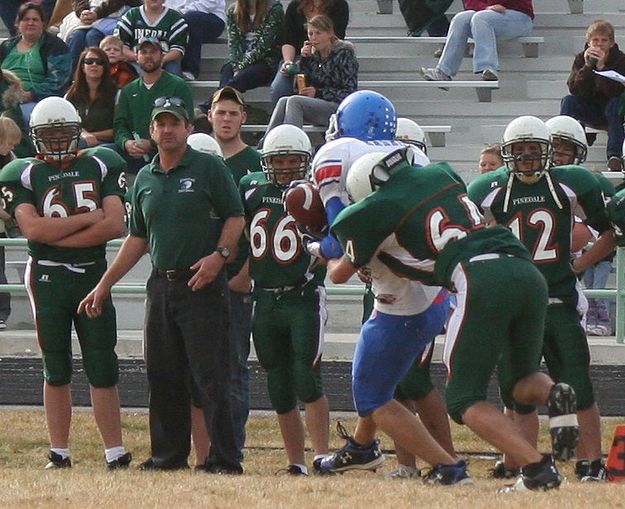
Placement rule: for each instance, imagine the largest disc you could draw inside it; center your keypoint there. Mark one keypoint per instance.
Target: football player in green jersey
(445, 242)
(289, 312)
(68, 206)
(539, 204)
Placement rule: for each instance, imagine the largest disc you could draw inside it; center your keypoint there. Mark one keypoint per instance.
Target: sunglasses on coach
(91, 61)
(165, 102)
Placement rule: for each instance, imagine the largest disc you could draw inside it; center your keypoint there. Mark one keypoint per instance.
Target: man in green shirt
(186, 211)
(136, 100)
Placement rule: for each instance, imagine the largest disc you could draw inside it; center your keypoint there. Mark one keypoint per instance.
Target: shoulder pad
(106, 155)
(12, 172)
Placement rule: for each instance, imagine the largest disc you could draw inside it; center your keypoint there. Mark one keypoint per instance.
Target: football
(305, 206)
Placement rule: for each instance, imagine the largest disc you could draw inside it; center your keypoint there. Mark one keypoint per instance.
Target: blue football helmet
(366, 116)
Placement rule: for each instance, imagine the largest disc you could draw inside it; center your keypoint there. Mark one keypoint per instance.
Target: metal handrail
(617, 295)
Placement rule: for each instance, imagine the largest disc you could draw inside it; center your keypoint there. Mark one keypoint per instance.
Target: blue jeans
(598, 115)
(485, 27)
(203, 28)
(282, 86)
(83, 38)
(240, 331)
(254, 75)
(596, 277)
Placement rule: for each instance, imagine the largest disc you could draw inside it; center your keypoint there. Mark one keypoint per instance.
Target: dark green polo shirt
(181, 212)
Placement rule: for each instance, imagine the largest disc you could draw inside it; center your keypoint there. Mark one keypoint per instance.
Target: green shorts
(288, 330)
(55, 292)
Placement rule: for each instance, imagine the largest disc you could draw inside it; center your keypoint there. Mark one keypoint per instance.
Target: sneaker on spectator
(489, 75)
(563, 426)
(403, 472)
(615, 164)
(353, 456)
(122, 462)
(446, 475)
(57, 461)
(434, 74)
(3, 325)
(189, 76)
(500, 471)
(602, 330)
(536, 476)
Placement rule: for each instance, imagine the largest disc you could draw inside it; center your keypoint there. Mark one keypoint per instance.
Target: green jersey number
(282, 241)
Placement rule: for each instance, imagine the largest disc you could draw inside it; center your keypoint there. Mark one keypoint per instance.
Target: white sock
(114, 452)
(63, 453)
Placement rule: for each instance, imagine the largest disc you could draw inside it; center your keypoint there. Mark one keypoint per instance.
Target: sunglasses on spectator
(91, 61)
(165, 102)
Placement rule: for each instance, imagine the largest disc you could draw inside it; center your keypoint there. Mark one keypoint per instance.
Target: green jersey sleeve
(11, 187)
(223, 190)
(616, 214)
(113, 170)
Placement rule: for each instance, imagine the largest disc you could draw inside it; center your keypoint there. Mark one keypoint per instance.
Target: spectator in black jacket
(594, 99)
(298, 13)
(329, 73)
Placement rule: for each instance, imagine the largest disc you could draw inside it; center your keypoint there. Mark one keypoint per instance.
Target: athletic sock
(114, 452)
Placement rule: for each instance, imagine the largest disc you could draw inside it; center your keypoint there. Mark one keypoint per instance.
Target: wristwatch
(223, 251)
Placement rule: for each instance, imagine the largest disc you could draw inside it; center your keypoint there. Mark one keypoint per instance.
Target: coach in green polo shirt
(187, 213)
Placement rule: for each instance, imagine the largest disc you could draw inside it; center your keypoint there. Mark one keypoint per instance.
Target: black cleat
(122, 462)
(57, 461)
(353, 456)
(563, 426)
(541, 476)
(447, 475)
(500, 471)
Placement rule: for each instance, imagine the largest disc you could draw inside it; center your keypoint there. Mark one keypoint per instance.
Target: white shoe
(403, 472)
(189, 76)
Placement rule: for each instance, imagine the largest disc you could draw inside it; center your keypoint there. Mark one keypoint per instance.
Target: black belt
(174, 274)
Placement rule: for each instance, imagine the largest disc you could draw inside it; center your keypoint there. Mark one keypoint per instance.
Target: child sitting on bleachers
(121, 71)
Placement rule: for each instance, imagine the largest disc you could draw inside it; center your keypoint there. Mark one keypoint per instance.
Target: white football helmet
(202, 142)
(366, 175)
(55, 128)
(281, 141)
(411, 133)
(527, 129)
(568, 130)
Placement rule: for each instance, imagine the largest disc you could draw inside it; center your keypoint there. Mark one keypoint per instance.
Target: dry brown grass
(24, 484)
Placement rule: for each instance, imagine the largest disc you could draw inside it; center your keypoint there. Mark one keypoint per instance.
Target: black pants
(427, 15)
(186, 337)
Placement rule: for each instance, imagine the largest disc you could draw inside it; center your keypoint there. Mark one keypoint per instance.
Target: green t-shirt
(181, 212)
(276, 254)
(27, 65)
(240, 164)
(430, 214)
(542, 215)
(170, 28)
(56, 192)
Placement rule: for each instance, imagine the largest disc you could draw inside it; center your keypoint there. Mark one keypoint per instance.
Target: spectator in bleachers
(206, 20)
(425, 16)
(136, 101)
(153, 19)
(41, 60)
(486, 21)
(98, 18)
(254, 44)
(329, 73)
(490, 158)
(594, 99)
(298, 13)
(122, 72)
(9, 9)
(93, 94)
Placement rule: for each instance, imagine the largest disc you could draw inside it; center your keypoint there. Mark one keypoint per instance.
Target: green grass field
(25, 484)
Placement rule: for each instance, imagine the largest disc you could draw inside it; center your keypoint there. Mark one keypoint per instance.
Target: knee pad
(101, 368)
(280, 388)
(57, 367)
(308, 384)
